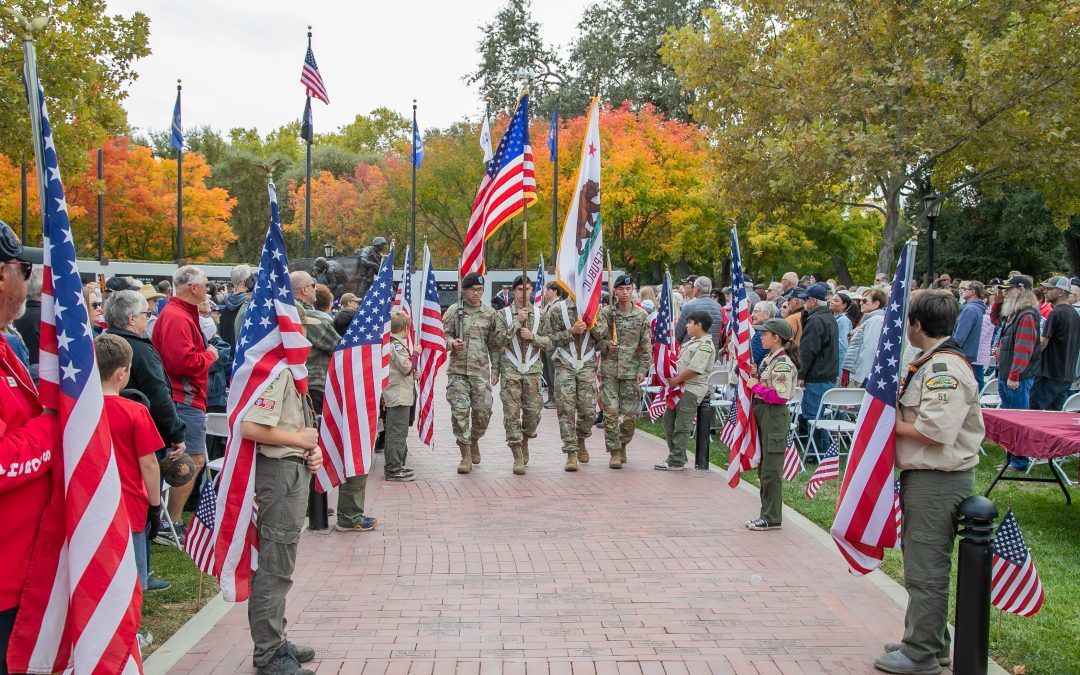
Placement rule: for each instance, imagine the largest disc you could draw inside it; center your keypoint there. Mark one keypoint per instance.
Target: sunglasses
(95, 305)
(25, 267)
(148, 313)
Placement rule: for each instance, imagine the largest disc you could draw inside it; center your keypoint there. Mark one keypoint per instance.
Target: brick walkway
(602, 571)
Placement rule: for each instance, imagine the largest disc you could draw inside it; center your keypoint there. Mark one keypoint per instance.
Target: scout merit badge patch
(782, 368)
(939, 382)
(265, 403)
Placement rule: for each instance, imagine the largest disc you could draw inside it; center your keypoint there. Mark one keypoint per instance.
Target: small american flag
(793, 465)
(828, 469)
(199, 543)
(865, 524)
(355, 381)
(727, 433)
(665, 355)
(89, 617)
(508, 184)
(403, 296)
(898, 514)
(745, 450)
(270, 340)
(312, 79)
(541, 281)
(1015, 586)
(432, 350)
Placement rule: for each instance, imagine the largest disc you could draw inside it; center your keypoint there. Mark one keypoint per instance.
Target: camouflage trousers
(575, 401)
(621, 400)
(522, 404)
(470, 406)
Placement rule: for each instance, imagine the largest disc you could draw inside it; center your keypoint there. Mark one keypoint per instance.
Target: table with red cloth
(1034, 434)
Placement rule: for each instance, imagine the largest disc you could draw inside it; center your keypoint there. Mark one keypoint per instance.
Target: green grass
(1048, 642)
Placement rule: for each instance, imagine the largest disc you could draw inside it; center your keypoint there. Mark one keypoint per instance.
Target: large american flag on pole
(355, 381)
(745, 450)
(865, 523)
(92, 611)
(311, 78)
(403, 296)
(432, 350)
(270, 340)
(665, 354)
(508, 184)
(1014, 585)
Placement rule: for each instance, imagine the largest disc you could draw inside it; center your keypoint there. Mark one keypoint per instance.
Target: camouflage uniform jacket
(634, 355)
(324, 340)
(481, 352)
(515, 360)
(567, 347)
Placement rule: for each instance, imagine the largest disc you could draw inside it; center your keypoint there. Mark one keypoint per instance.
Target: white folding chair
(988, 397)
(794, 405)
(171, 535)
(1072, 404)
(840, 400)
(217, 424)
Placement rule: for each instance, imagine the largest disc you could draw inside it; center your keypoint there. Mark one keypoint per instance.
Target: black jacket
(342, 320)
(148, 376)
(226, 326)
(29, 327)
(819, 348)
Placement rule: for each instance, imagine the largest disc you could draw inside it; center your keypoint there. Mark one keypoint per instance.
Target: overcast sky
(240, 60)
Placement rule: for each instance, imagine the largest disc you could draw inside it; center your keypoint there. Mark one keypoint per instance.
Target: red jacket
(180, 343)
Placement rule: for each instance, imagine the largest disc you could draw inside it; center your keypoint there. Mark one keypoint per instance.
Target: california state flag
(580, 266)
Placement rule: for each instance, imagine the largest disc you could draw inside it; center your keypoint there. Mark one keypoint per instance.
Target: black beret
(521, 278)
(624, 280)
(472, 279)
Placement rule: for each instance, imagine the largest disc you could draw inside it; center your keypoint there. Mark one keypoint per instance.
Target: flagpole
(24, 209)
(412, 207)
(307, 169)
(179, 192)
(30, 76)
(100, 205)
(555, 186)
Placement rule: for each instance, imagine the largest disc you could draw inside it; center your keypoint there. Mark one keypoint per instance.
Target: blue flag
(418, 145)
(553, 131)
(177, 130)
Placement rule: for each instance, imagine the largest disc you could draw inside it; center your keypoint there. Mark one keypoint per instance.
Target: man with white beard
(1018, 350)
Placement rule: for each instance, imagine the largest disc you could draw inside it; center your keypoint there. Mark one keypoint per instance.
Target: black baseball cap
(12, 249)
(1019, 281)
(120, 284)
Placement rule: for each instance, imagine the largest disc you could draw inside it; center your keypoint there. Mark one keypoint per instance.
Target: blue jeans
(980, 376)
(812, 393)
(1017, 399)
(1047, 394)
(142, 555)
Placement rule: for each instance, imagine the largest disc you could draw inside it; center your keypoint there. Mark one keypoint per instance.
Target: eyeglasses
(25, 267)
(148, 313)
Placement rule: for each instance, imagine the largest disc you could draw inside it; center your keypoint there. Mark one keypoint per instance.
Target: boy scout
(283, 428)
(939, 427)
(516, 331)
(398, 398)
(474, 356)
(624, 363)
(772, 390)
(697, 357)
(575, 376)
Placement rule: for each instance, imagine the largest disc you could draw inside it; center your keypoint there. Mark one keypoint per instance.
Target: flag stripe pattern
(828, 469)
(665, 355)
(403, 295)
(538, 287)
(311, 78)
(898, 514)
(269, 341)
(508, 183)
(1015, 585)
(865, 522)
(355, 380)
(95, 597)
(432, 350)
(199, 543)
(745, 450)
(793, 465)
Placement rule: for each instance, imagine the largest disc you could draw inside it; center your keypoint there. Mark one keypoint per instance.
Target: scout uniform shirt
(399, 389)
(778, 373)
(280, 405)
(698, 355)
(519, 357)
(634, 334)
(942, 400)
(481, 352)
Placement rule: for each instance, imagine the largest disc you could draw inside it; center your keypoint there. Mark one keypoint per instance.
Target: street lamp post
(931, 209)
(328, 250)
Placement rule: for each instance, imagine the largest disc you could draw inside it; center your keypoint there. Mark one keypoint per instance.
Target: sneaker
(760, 524)
(283, 663)
(165, 535)
(943, 660)
(898, 662)
(366, 523)
(155, 584)
(145, 639)
(301, 653)
(664, 466)
(549, 405)
(400, 477)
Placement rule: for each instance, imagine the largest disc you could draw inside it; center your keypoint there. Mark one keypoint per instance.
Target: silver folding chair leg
(168, 519)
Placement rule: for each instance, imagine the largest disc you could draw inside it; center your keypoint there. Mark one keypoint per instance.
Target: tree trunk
(890, 234)
(1072, 245)
(840, 268)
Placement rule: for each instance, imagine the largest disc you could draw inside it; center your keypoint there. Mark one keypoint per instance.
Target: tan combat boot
(571, 462)
(519, 463)
(622, 454)
(614, 462)
(525, 451)
(582, 452)
(475, 451)
(466, 459)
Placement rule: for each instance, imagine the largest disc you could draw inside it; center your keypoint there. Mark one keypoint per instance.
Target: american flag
(91, 611)
(745, 451)
(312, 79)
(665, 355)
(270, 340)
(538, 289)
(432, 351)
(793, 465)
(355, 381)
(199, 543)
(508, 183)
(403, 296)
(828, 469)
(865, 524)
(1015, 586)
(898, 514)
(727, 432)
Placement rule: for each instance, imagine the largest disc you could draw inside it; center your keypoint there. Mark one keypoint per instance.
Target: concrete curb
(167, 655)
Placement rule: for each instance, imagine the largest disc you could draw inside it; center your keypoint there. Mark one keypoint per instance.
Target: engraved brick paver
(600, 572)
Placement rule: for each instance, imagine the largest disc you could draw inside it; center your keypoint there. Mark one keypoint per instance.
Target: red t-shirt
(134, 436)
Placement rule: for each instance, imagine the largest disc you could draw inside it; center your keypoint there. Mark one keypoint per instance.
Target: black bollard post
(704, 426)
(316, 508)
(971, 646)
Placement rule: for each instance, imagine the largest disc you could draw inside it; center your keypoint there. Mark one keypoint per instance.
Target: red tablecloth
(1038, 434)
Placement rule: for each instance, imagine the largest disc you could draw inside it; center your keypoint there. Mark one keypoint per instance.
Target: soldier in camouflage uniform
(473, 358)
(623, 366)
(574, 354)
(517, 328)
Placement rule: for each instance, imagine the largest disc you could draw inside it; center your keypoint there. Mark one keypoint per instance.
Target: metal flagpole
(101, 205)
(307, 183)
(33, 90)
(412, 207)
(555, 187)
(179, 194)
(25, 214)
